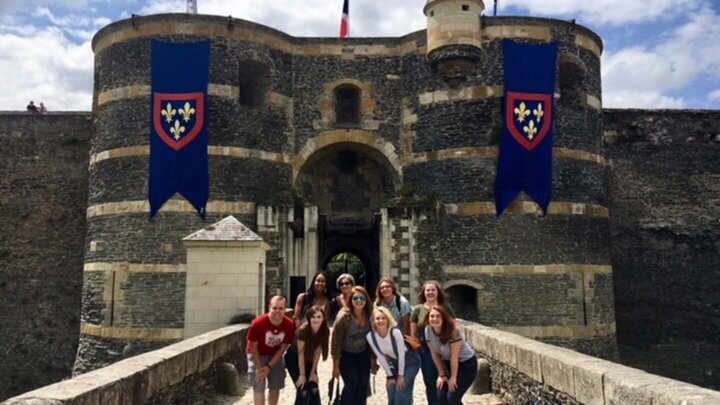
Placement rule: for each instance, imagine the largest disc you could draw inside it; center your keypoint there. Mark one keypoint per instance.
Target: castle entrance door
(348, 182)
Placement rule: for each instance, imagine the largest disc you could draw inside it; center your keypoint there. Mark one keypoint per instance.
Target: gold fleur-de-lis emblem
(538, 112)
(187, 112)
(521, 112)
(177, 130)
(530, 130)
(168, 113)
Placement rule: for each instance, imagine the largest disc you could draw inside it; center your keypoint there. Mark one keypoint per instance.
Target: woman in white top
(401, 365)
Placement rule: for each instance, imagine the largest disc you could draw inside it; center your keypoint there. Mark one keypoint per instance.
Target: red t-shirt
(269, 336)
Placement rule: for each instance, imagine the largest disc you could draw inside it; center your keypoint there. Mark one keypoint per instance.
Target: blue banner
(525, 162)
(178, 126)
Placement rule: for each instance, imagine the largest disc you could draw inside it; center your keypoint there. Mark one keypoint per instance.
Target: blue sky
(658, 53)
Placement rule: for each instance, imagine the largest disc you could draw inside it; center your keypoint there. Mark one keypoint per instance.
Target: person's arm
(401, 349)
(455, 346)
(262, 370)
(338, 337)
(437, 360)
(301, 364)
(414, 323)
(313, 370)
(381, 360)
(299, 302)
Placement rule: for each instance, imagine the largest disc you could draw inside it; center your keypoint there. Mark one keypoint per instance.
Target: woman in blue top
(453, 357)
(388, 296)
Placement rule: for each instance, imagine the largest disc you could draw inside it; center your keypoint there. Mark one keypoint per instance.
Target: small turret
(453, 36)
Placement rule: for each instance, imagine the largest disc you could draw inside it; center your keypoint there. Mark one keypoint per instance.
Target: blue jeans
(310, 393)
(429, 373)
(355, 372)
(405, 397)
(467, 371)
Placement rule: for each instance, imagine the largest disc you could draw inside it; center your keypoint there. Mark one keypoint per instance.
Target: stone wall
(43, 195)
(183, 373)
(664, 188)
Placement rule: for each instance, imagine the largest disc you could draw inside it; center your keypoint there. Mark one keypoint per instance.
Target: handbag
(412, 343)
(337, 398)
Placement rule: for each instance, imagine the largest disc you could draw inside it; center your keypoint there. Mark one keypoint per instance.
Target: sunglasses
(359, 298)
(345, 284)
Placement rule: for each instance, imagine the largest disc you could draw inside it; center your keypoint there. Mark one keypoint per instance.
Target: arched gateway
(384, 149)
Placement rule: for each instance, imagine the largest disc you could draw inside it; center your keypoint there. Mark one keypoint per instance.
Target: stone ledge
(528, 208)
(143, 334)
(136, 267)
(143, 207)
(213, 150)
(139, 378)
(587, 379)
(492, 151)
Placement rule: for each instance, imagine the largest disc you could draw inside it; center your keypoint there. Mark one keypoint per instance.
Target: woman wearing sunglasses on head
(351, 354)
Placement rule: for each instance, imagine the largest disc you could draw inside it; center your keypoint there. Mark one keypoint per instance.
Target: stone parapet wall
(180, 373)
(43, 193)
(527, 371)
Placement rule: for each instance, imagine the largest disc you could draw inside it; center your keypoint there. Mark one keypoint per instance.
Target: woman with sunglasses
(345, 282)
(311, 341)
(401, 365)
(454, 358)
(388, 296)
(350, 351)
(316, 295)
(430, 294)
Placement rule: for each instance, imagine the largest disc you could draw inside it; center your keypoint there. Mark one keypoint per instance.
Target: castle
(387, 148)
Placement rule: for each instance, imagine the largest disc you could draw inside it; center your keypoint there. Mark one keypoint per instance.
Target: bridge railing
(523, 371)
(174, 374)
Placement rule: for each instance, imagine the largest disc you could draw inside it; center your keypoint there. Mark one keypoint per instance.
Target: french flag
(345, 23)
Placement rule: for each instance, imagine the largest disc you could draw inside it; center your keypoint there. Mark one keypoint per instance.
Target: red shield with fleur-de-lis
(528, 117)
(178, 118)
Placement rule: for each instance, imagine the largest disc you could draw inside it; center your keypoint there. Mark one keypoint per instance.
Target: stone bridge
(522, 371)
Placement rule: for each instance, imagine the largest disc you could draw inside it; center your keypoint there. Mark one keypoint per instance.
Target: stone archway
(348, 181)
(463, 297)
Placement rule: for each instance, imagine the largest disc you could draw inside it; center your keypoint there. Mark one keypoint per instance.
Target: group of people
(31, 107)
(388, 333)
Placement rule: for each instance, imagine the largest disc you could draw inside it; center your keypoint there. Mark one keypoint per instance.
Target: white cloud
(714, 95)
(52, 69)
(644, 75)
(614, 12)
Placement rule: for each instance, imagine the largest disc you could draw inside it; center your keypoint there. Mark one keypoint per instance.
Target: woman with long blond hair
(454, 358)
(401, 364)
(352, 357)
(302, 359)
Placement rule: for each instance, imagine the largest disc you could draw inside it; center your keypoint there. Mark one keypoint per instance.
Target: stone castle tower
(382, 147)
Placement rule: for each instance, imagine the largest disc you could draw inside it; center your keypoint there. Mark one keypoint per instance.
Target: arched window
(254, 82)
(347, 105)
(572, 80)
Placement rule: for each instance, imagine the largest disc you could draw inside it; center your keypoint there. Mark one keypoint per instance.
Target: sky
(657, 53)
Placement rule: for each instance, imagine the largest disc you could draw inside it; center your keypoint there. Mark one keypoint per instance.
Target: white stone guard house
(225, 275)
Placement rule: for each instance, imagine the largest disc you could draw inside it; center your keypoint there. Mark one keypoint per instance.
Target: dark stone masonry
(395, 150)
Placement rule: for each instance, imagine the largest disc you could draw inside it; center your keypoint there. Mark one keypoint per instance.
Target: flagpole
(495, 9)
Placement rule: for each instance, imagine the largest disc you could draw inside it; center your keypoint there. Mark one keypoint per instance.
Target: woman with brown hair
(350, 351)
(454, 358)
(303, 357)
(388, 296)
(430, 294)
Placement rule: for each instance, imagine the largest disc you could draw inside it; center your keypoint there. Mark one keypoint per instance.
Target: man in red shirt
(268, 338)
